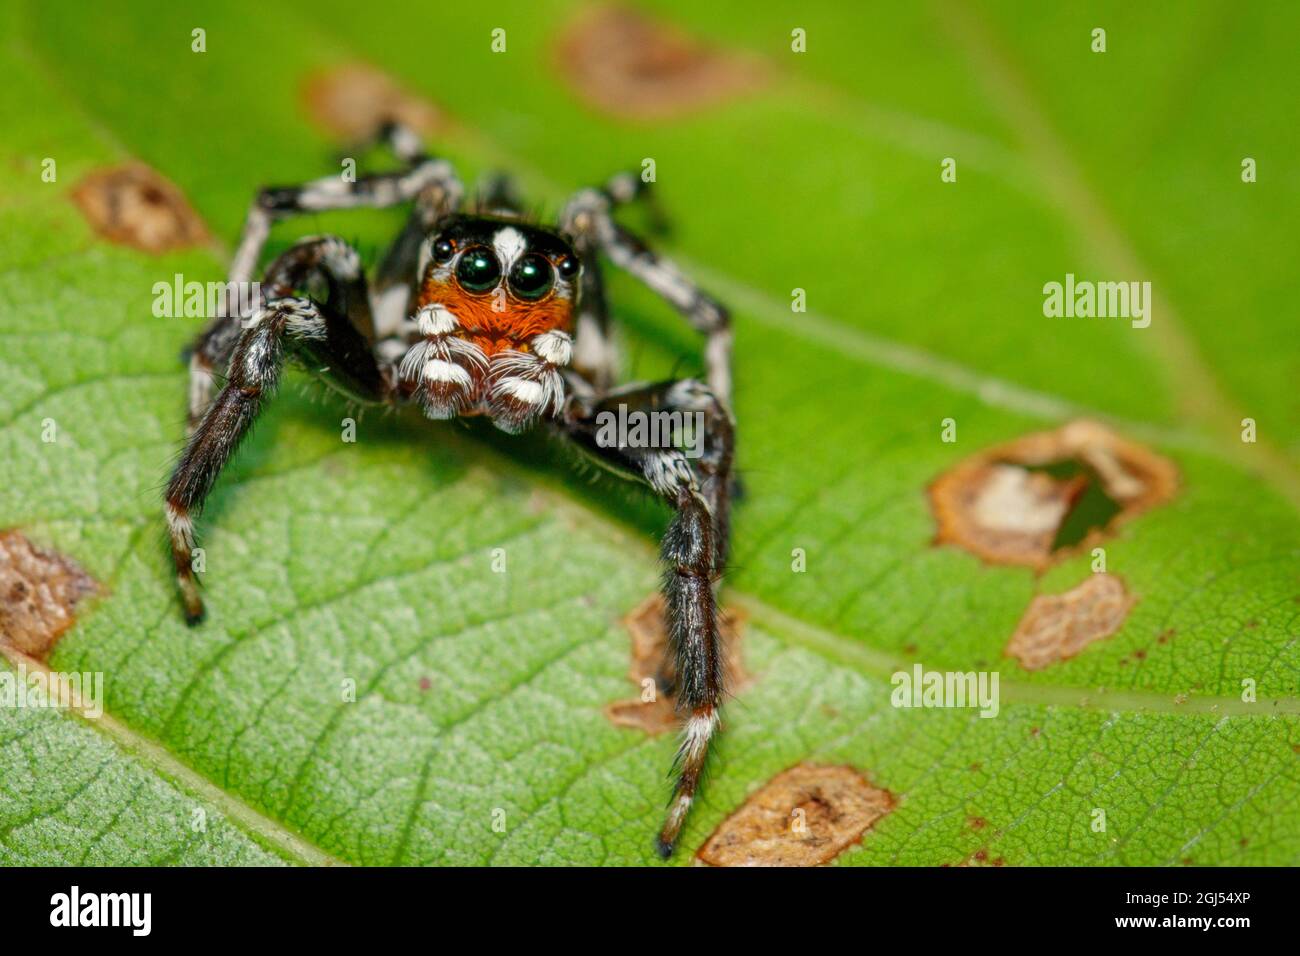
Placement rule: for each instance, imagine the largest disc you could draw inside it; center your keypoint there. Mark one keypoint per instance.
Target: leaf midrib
(166, 765)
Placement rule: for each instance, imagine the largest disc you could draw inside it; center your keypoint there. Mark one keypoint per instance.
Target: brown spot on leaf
(39, 592)
(979, 858)
(1013, 503)
(355, 100)
(1059, 626)
(805, 816)
(136, 206)
(627, 64)
(649, 661)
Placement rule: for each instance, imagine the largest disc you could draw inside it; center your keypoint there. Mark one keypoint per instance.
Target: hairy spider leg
(628, 187)
(318, 334)
(393, 300)
(587, 218)
(596, 354)
(432, 182)
(694, 553)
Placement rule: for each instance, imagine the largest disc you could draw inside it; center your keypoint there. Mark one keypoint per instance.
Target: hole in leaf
(1090, 509)
(1048, 495)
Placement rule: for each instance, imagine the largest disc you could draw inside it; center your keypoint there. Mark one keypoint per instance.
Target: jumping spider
(480, 313)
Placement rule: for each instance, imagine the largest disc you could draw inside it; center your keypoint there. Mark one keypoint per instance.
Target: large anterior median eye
(531, 277)
(478, 269)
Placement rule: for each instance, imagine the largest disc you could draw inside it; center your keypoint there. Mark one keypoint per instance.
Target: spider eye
(478, 269)
(443, 250)
(568, 266)
(532, 276)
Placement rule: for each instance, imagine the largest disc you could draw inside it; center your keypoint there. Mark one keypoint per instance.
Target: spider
(481, 313)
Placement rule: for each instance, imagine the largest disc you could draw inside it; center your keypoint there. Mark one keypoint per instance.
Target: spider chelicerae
(481, 313)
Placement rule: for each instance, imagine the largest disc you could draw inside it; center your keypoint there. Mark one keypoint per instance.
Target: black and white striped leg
(587, 218)
(325, 342)
(393, 297)
(432, 183)
(624, 188)
(330, 193)
(595, 353)
(694, 550)
(208, 356)
(324, 268)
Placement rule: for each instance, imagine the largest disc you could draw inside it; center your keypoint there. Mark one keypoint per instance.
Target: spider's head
(503, 280)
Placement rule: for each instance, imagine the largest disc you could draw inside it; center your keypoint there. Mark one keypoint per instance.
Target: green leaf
(477, 691)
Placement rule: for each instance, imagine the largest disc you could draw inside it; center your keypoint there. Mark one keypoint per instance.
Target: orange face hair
(494, 328)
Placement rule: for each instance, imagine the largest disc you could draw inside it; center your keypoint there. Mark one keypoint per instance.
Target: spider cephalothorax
(482, 314)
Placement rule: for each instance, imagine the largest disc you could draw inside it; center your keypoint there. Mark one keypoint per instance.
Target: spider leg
(328, 193)
(394, 290)
(625, 188)
(432, 183)
(587, 217)
(324, 266)
(595, 355)
(694, 548)
(318, 334)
